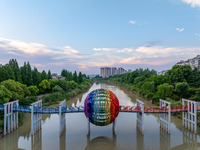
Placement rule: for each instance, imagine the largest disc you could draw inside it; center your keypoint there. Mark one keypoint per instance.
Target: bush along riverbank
(179, 82)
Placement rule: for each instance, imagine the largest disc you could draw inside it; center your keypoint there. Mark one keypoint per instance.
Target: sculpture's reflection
(101, 143)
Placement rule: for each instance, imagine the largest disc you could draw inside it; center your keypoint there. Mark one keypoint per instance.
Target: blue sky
(85, 35)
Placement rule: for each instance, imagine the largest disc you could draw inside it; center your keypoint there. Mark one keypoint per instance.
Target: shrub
(195, 98)
(149, 95)
(155, 98)
(57, 88)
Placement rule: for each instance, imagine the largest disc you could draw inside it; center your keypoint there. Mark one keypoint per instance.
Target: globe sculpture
(101, 107)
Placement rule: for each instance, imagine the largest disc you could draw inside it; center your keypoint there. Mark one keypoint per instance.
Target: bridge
(188, 108)
(77, 109)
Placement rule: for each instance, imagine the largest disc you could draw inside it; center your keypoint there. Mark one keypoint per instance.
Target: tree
(148, 87)
(53, 82)
(15, 67)
(49, 75)
(44, 86)
(57, 88)
(23, 71)
(29, 75)
(36, 76)
(75, 77)
(182, 89)
(33, 90)
(179, 73)
(17, 89)
(44, 75)
(80, 77)
(71, 84)
(5, 94)
(165, 90)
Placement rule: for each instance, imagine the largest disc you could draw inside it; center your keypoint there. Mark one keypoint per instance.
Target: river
(101, 138)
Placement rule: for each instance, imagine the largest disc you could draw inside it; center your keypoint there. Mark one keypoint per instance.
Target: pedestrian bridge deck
(76, 109)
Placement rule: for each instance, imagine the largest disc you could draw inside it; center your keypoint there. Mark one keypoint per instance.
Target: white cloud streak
(193, 3)
(180, 29)
(132, 22)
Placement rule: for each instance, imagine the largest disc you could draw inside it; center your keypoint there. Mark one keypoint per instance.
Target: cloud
(132, 22)
(123, 50)
(193, 3)
(17, 47)
(180, 29)
(104, 49)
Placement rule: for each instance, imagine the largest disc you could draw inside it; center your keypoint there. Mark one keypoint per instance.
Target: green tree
(36, 76)
(80, 77)
(17, 89)
(33, 90)
(49, 75)
(57, 88)
(29, 75)
(71, 84)
(165, 90)
(23, 71)
(182, 89)
(148, 87)
(53, 82)
(15, 67)
(44, 86)
(75, 77)
(5, 94)
(44, 75)
(179, 73)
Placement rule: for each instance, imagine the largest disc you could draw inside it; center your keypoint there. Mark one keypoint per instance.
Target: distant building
(193, 63)
(54, 75)
(162, 72)
(108, 71)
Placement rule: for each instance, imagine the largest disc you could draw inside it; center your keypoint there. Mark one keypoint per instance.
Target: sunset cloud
(17, 47)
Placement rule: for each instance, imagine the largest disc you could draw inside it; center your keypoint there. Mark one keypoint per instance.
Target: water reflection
(101, 143)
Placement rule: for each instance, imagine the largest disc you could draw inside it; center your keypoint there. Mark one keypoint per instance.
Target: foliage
(148, 87)
(165, 90)
(5, 94)
(44, 75)
(44, 86)
(179, 73)
(53, 82)
(17, 89)
(182, 89)
(49, 75)
(75, 77)
(33, 90)
(57, 88)
(27, 101)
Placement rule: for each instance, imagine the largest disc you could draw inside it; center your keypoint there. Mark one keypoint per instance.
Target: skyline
(85, 36)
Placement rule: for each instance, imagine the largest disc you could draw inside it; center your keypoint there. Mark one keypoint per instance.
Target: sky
(84, 35)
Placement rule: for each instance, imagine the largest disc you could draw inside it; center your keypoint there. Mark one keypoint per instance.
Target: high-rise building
(108, 71)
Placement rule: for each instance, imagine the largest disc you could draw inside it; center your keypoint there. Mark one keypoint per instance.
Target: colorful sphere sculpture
(101, 107)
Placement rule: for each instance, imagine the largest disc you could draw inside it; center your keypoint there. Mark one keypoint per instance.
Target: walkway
(77, 109)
